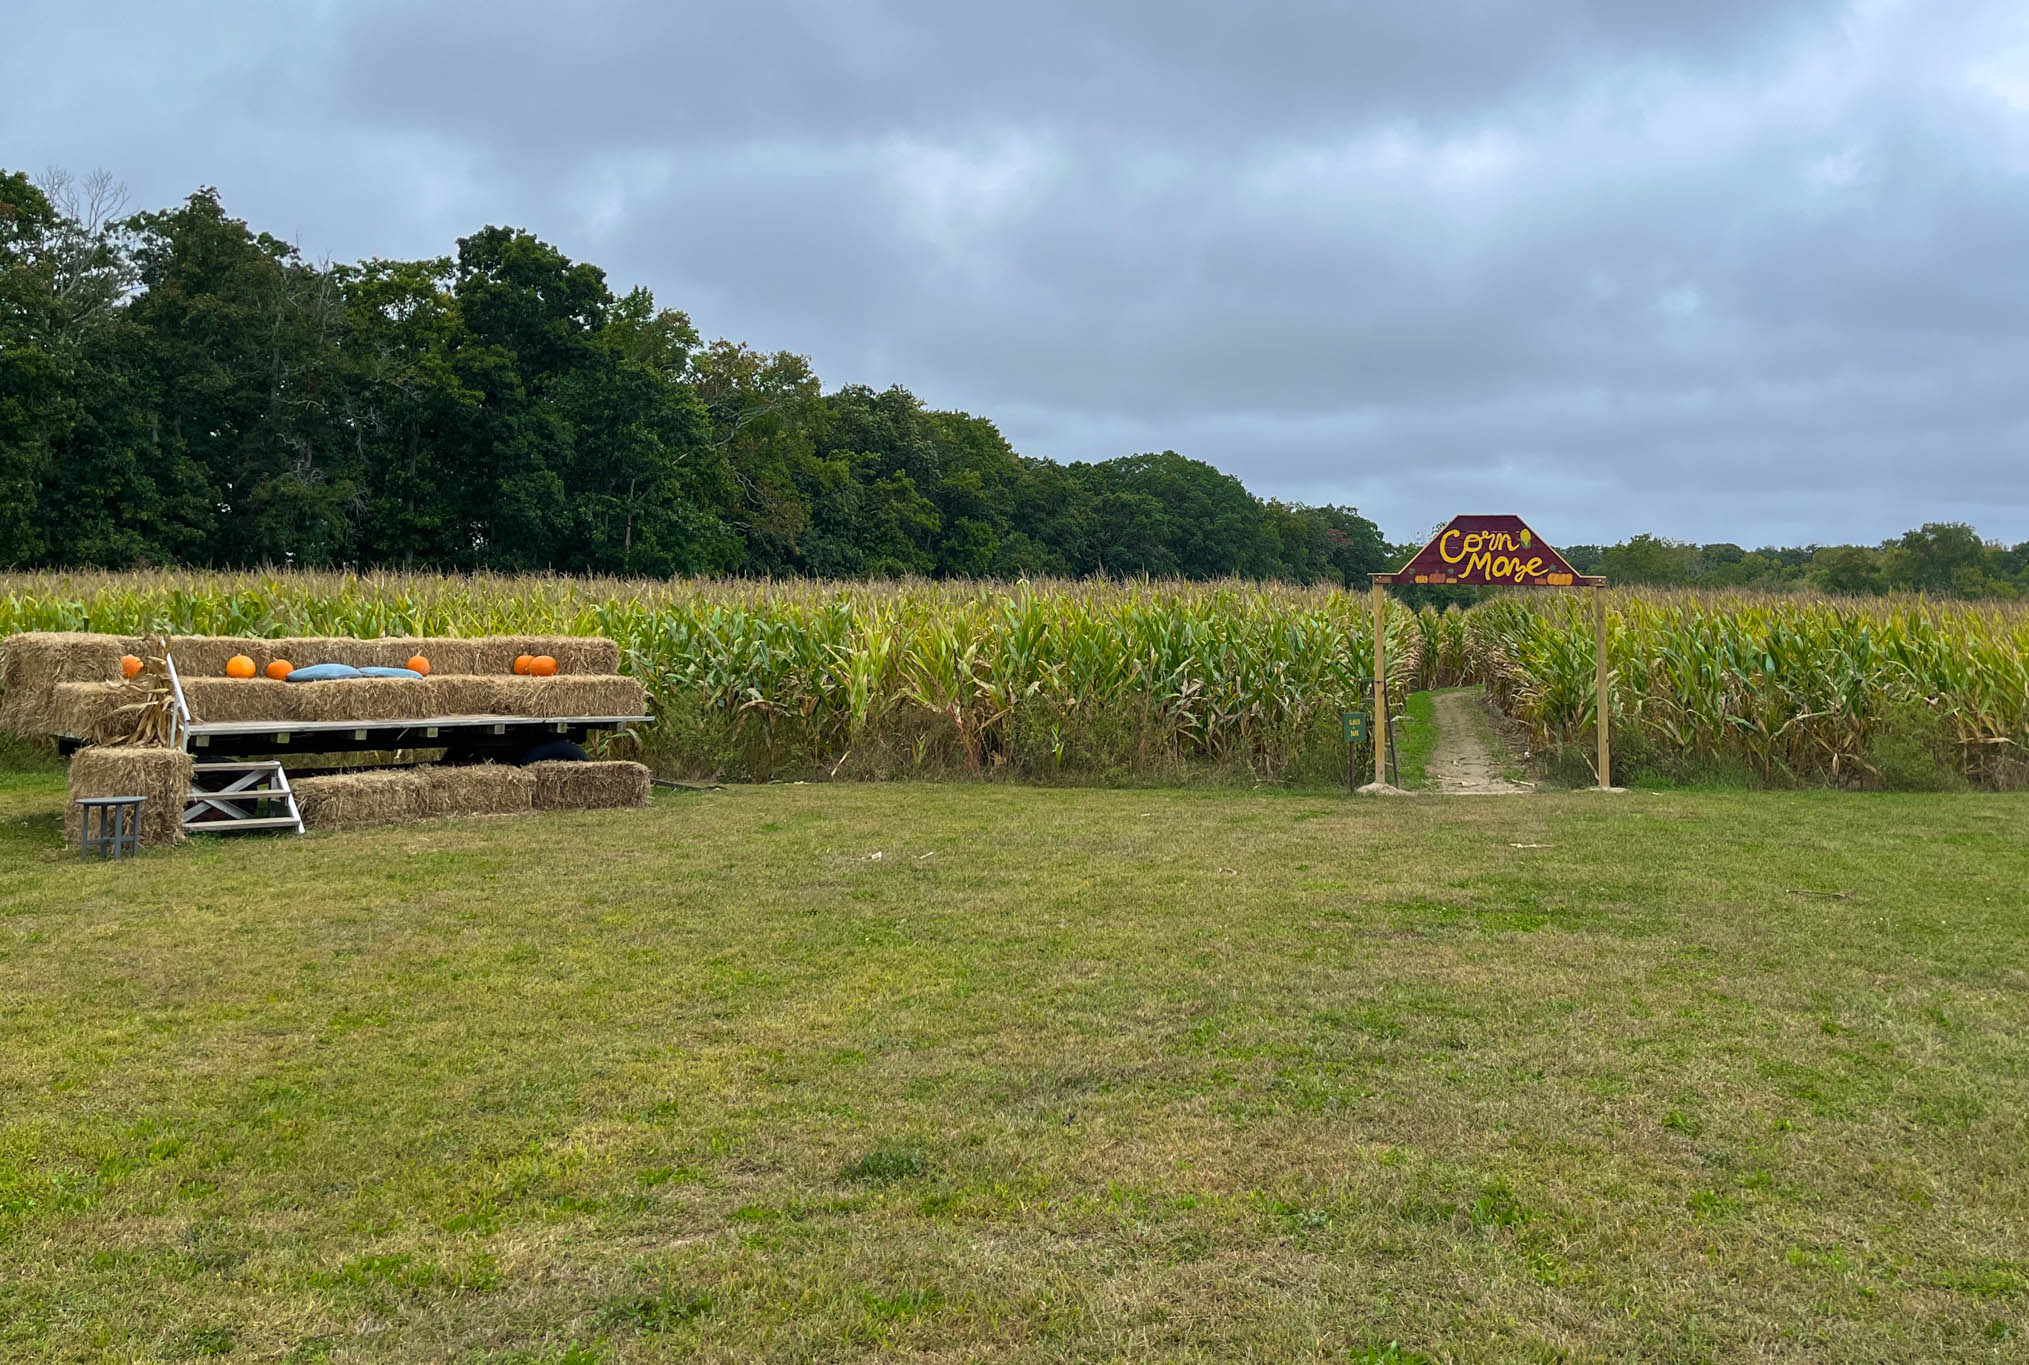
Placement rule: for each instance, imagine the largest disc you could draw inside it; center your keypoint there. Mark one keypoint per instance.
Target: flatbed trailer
(461, 733)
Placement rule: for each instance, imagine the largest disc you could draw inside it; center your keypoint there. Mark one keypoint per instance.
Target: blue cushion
(324, 673)
(389, 673)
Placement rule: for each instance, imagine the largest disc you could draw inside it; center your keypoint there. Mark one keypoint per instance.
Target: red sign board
(1487, 552)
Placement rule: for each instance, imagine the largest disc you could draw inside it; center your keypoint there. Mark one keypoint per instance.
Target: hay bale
(350, 800)
(467, 696)
(477, 789)
(204, 656)
(34, 664)
(228, 699)
(79, 708)
(578, 696)
(494, 655)
(161, 775)
(539, 697)
(579, 655)
(589, 786)
(360, 699)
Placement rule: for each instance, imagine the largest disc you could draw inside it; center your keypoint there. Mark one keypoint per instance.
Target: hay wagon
(216, 753)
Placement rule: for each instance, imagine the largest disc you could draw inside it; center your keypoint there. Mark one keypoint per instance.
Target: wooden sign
(1488, 551)
(1495, 551)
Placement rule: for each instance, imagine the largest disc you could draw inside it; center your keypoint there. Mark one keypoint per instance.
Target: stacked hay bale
(394, 796)
(161, 775)
(33, 667)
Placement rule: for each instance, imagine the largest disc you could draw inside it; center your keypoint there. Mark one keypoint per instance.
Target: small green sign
(1355, 726)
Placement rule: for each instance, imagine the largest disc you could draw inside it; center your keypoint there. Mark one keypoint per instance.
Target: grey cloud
(1727, 268)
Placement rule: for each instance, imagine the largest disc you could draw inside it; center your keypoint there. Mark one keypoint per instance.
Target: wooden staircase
(236, 798)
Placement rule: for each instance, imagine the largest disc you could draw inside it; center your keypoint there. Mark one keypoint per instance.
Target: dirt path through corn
(1461, 764)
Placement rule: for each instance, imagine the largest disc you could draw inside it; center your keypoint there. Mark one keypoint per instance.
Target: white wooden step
(251, 822)
(217, 789)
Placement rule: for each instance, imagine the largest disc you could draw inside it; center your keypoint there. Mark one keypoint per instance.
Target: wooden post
(1380, 684)
(1604, 725)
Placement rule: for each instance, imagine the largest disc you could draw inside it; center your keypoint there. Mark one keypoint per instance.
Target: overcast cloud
(1753, 270)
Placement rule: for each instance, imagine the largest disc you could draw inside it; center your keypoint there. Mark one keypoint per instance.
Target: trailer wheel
(552, 751)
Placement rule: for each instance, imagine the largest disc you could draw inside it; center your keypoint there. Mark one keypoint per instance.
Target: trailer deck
(251, 738)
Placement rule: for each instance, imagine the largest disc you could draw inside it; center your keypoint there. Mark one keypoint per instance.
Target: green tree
(1648, 559)
(1942, 557)
(1849, 569)
(238, 347)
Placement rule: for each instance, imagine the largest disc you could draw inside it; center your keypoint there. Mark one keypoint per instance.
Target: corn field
(754, 679)
(1080, 679)
(1788, 690)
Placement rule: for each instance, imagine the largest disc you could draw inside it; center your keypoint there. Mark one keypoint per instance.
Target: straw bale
(462, 695)
(579, 655)
(477, 789)
(361, 699)
(589, 786)
(79, 708)
(205, 656)
(35, 663)
(574, 696)
(161, 775)
(538, 697)
(349, 800)
(225, 699)
(137, 712)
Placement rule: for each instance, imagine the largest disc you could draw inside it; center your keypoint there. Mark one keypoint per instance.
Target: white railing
(179, 724)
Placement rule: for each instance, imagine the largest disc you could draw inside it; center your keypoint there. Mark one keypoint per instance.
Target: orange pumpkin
(543, 666)
(280, 670)
(420, 665)
(523, 664)
(239, 666)
(129, 665)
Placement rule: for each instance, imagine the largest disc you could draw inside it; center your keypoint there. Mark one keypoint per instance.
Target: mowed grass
(990, 1072)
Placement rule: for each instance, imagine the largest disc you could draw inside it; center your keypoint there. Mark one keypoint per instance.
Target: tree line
(177, 388)
(1945, 559)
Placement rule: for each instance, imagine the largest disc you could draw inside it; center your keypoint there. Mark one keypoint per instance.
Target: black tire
(552, 751)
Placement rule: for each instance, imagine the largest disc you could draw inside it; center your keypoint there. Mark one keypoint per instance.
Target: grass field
(972, 1071)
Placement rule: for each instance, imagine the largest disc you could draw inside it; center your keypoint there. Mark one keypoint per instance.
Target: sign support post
(1604, 723)
(1380, 726)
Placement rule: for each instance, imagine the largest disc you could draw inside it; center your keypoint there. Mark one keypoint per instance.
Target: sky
(1745, 270)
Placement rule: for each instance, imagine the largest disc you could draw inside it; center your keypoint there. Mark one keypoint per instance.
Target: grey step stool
(111, 826)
